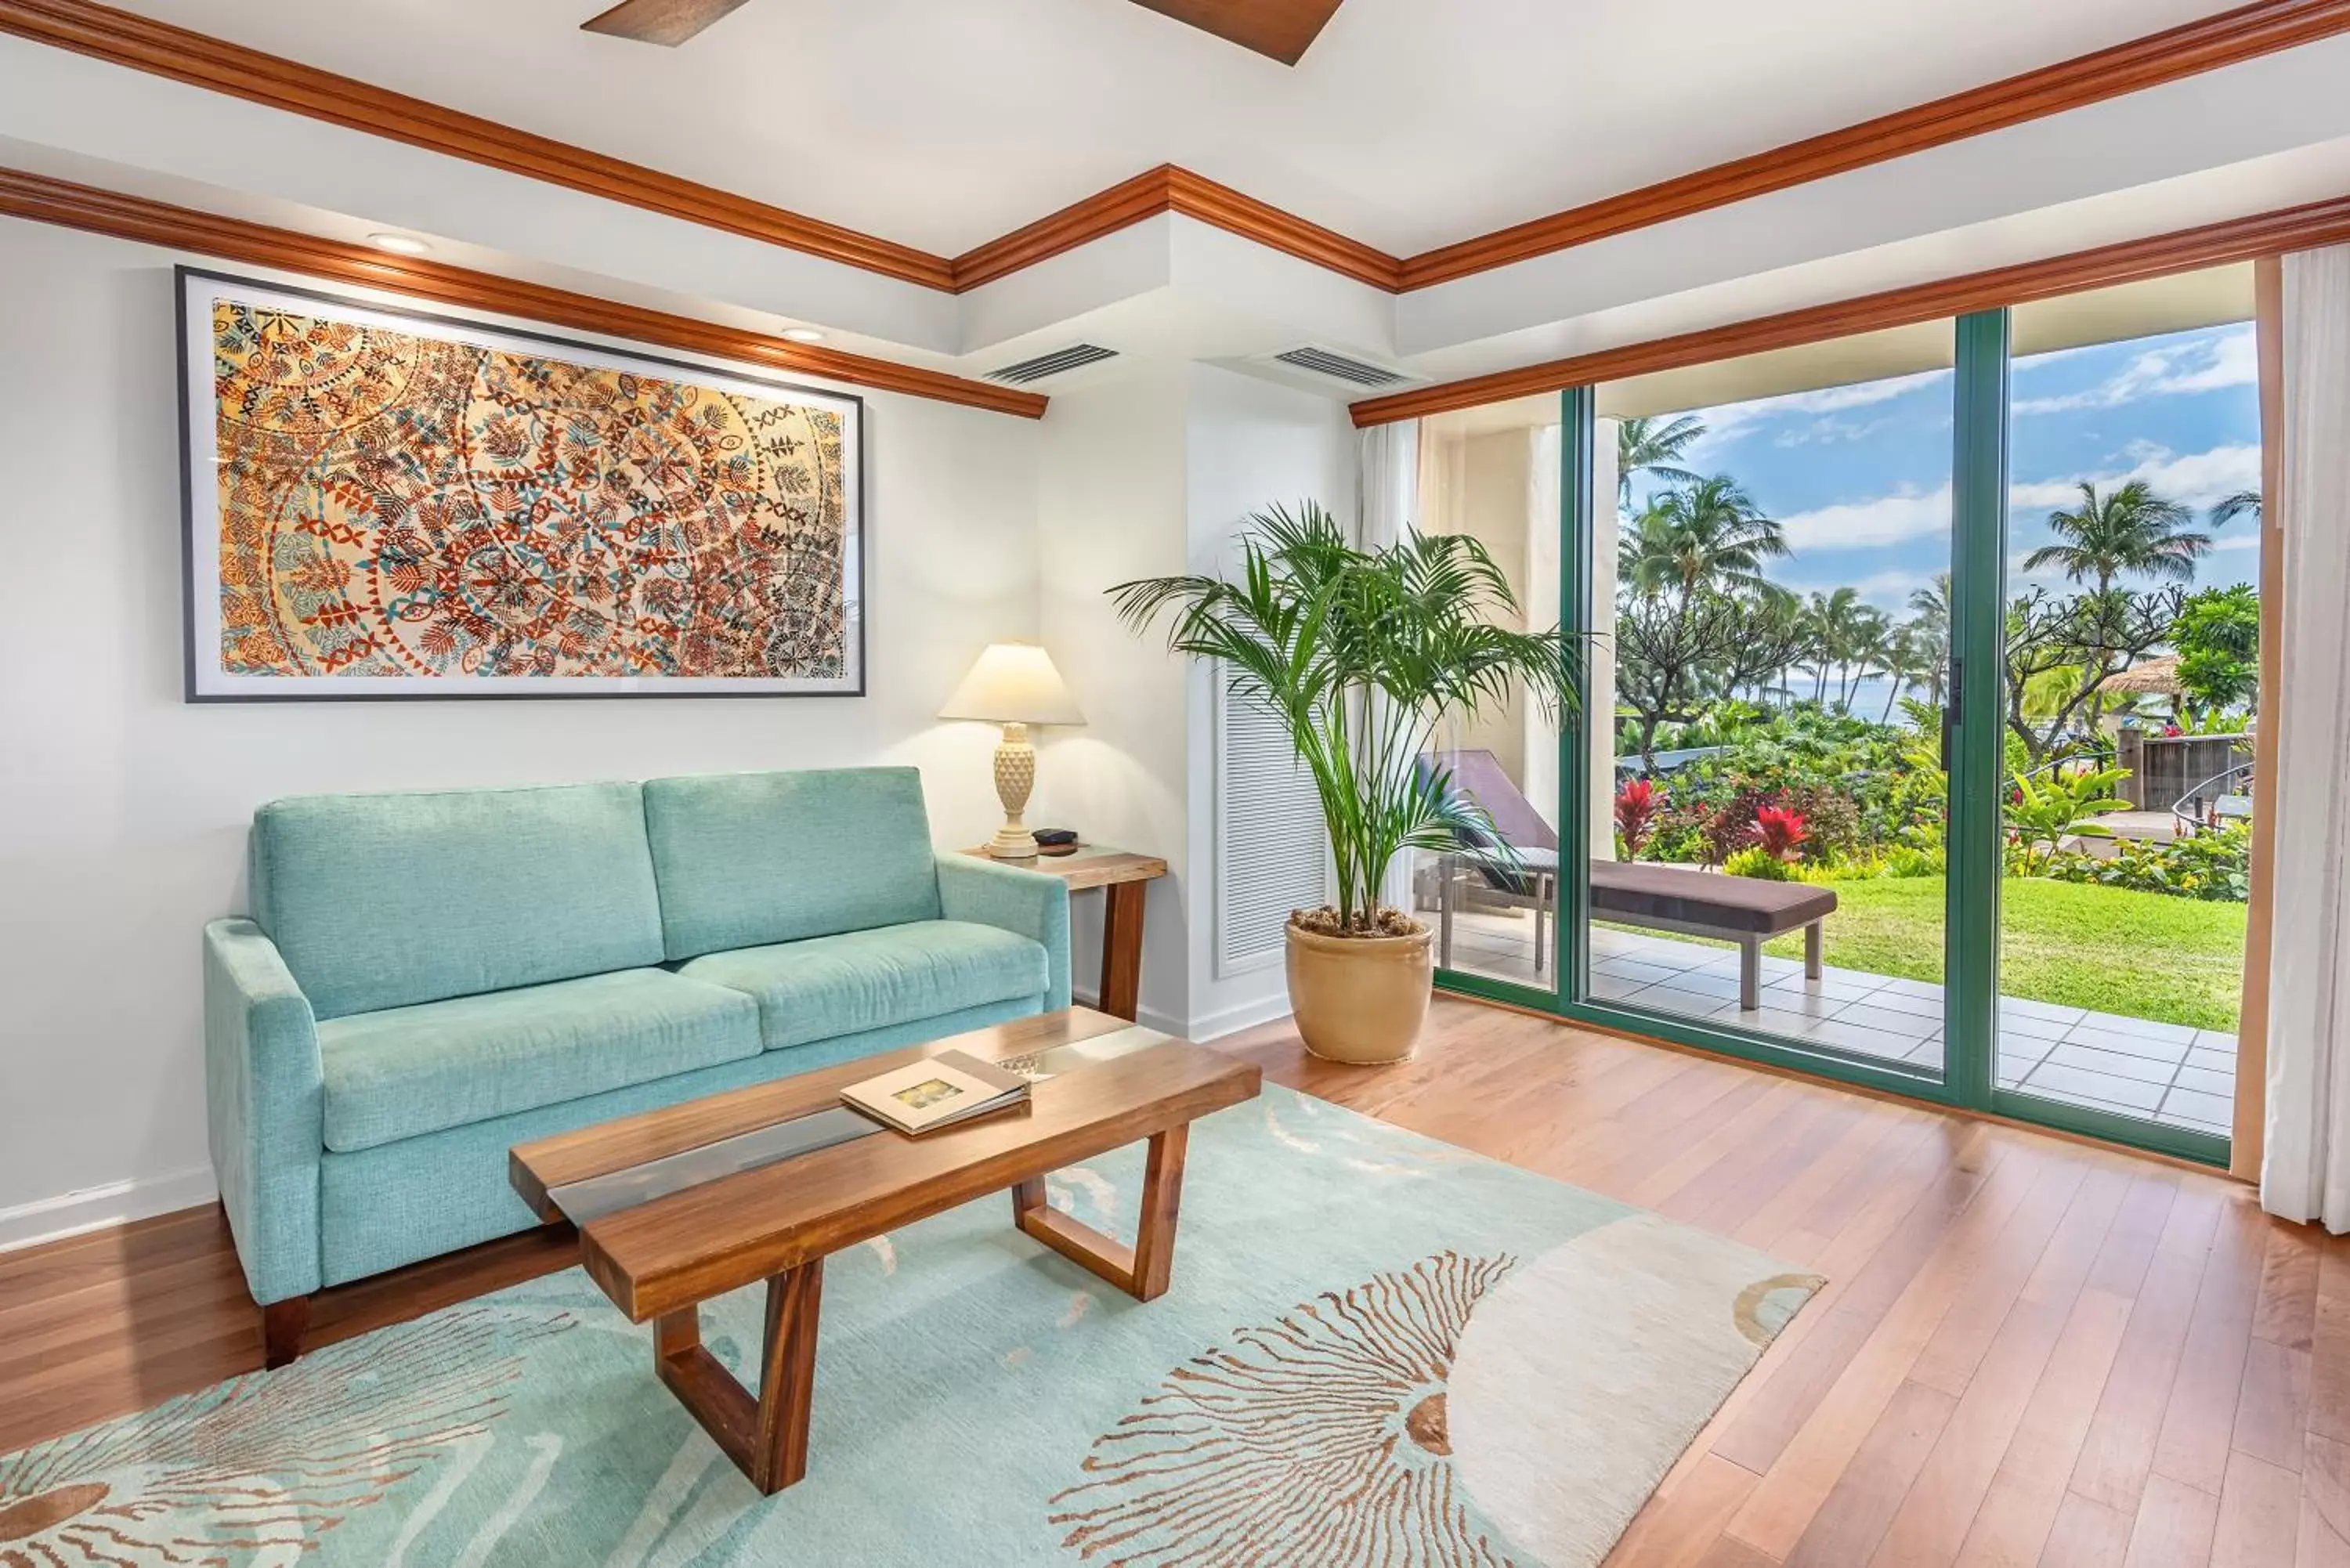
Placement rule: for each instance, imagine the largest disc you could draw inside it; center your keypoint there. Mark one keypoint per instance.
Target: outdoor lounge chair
(1678, 899)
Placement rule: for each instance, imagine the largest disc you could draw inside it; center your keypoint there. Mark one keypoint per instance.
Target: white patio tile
(1680, 1004)
(2211, 1061)
(1927, 1051)
(1918, 1006)
(1908, 1025)
(1810, 1004)
(2012, 1069)
(2024, 1008)
(1828, 985)
(2140, 1069)
(2130, 1045)
(1615, 987)
(1703, 983)
(2058, 1082)
(1862, 1041)
(1631, 968)
(2215, 1129)
(1769, 1020)
(2215, 1040)
(1914, 988)
(2213, 1108)
(2143, 1028)
(2025, 1026)
(2205, 1082)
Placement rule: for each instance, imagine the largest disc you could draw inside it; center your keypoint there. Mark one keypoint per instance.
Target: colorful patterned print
(397, 506)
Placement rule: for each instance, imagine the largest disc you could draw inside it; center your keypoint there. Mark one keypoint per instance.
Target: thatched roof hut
(2148, 678)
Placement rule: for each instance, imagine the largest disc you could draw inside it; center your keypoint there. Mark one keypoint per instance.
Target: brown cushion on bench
(1693, 898)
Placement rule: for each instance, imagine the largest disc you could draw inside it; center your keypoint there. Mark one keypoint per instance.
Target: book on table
(936, 1092)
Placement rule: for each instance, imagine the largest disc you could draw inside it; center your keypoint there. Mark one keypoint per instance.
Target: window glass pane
(1493, 474)
(1774, 546)
(2131, 650)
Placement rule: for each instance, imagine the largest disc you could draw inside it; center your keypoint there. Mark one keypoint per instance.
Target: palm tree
(1707, 534)
(1360, 655)
(2244, 503)
(1654, 445)
(2131, 530)
(1834, 626)
(1930, 634)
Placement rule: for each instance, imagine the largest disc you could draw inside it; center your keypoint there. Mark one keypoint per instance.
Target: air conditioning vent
(1077, 356)
(1338, 368)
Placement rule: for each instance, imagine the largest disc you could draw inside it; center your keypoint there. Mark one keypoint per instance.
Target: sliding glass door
(1901, 649)
(1769, 559)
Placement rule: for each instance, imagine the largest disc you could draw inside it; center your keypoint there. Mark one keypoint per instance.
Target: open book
(937, 1092)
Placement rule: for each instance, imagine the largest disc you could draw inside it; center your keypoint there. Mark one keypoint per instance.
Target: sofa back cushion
(382, 901)
(747, 860)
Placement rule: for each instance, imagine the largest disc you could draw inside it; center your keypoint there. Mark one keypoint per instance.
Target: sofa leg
(1812, 951)
(281, 1327)
(1750, 973)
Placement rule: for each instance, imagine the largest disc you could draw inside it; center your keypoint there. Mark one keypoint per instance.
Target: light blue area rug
(1377, 1349)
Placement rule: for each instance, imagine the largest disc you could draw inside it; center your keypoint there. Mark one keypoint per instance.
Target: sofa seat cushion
(824, 986)
(412, 1070)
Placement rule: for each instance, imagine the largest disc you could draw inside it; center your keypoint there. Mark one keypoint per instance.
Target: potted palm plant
(1361, 655)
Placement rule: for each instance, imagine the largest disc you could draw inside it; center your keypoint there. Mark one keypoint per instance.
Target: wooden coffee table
(678, 1206)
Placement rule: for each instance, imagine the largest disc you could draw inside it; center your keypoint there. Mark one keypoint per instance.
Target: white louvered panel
(1271, 856)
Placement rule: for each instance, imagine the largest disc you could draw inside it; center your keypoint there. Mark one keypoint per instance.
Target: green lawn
(2067, 943)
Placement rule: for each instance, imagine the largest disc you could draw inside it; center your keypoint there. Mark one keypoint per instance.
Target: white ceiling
(1410, 124)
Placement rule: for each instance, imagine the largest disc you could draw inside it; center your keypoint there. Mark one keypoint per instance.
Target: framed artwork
(391, 503)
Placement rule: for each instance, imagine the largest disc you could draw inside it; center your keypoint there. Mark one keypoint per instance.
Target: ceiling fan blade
(1280, 28)
(668, 22)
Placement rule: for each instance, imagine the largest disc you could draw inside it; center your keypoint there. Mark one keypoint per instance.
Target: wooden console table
(1123, 877)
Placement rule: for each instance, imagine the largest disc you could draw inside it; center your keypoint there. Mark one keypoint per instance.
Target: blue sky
(1860, 475)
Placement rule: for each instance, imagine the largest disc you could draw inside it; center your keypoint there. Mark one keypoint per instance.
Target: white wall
(123, 810)
(1248, 445)
(1147, 473)
(1110, 508)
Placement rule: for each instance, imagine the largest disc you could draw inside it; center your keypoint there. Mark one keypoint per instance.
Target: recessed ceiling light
(803, 335)
(399, 244)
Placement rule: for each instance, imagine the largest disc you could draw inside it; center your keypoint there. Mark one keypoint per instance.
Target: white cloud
(2207, 365)
(1731, 421)
(1907, 513)
(1829, 431)
(2198, 479)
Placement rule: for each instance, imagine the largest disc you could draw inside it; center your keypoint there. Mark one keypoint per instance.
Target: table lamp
(1014, 685)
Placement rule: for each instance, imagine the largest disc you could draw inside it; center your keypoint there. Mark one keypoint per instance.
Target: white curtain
(1388, 488)
(2305, 1171)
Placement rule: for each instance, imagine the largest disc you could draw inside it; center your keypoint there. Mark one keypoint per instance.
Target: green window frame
(1979, 568)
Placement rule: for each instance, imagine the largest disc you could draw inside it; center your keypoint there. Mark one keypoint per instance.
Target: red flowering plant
(1779, 832)
(1637, 805)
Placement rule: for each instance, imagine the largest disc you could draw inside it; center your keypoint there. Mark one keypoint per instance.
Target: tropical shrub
(2218, 637)
(2044, 811)
(1637, 805)
(2215, 865)
(1779, 832)
(1756, 861)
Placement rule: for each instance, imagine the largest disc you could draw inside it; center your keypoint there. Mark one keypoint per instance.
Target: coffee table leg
(1142, 1270)
(767, 1437)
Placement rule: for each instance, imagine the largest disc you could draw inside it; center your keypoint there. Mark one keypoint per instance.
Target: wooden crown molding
(2229, 39)
(125, 39)
(141, 43)
(2213, 244)
(1168, 189)
(50, 201)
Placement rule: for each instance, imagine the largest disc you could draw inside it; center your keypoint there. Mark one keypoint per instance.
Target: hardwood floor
(2029, 1351)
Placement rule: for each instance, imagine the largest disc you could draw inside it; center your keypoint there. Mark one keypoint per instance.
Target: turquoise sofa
(429, 979)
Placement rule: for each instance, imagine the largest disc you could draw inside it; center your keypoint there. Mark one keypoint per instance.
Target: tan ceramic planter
(1360, 999)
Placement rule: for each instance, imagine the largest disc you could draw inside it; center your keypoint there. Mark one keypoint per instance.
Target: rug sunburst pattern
(273, 1459)
(1320, 1438)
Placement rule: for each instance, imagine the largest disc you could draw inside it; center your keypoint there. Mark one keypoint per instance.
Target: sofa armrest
(266, 1102)
(989, 893)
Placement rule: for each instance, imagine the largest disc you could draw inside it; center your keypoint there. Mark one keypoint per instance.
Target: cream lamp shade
(1014, 685)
